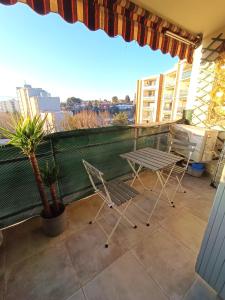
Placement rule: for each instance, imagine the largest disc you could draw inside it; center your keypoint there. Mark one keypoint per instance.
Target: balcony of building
(158, 260)
(168, 97)
(170, 84)
(183, 93)
(186, 75)
(149, 108)
(150, 88)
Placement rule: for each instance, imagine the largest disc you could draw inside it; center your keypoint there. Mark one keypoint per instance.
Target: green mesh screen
(102, 147)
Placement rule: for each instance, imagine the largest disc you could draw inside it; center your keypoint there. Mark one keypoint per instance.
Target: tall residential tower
(34, 101)
(163, 97)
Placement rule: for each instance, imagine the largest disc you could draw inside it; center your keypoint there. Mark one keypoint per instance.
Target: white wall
(48, 104)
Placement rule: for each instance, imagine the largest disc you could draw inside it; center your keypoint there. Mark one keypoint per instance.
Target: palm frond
(49, 174)
(25, 133)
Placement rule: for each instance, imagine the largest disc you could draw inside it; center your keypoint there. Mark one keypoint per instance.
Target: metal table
(154, 160)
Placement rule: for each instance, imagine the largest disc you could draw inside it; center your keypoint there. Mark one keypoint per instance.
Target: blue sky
(68, 59)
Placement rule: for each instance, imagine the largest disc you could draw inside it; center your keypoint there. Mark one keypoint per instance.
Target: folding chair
(115, 194)
(185, 149)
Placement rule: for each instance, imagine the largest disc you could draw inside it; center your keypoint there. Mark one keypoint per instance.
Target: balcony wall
(19, 198)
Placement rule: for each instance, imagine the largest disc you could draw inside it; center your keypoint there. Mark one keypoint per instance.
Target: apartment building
(34, 101)
(163, 97)
(148, 99)
(9, 106)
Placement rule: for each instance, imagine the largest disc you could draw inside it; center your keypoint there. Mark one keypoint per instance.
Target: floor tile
(34, 241)
(166, 259)
(200, 291)
(2, 287)
(83, 211)
(48, 275)
(125, 235)
(162, 210)
(159, 258)
(187, 228)
(125, 279)
(199, 207)
(2, 259)
(88, 254)
(79, 295)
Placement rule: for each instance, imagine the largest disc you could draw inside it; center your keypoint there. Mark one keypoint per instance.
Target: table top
(152, 159)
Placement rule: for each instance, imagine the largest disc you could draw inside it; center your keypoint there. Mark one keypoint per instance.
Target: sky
(68, 59)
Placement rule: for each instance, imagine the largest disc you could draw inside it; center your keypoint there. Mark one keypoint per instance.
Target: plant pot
(56, 225)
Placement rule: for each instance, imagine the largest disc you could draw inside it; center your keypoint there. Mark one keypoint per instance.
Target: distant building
(9, 106)
(163, 97)
(54, 120)
(148, 99)
(34, 101)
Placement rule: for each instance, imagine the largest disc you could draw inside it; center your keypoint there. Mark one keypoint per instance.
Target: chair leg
(98, 213)
(122, 215)
(180, 185)
(155, 185)
(164, 180)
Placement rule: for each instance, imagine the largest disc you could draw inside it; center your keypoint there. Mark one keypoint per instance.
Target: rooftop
(156, 262)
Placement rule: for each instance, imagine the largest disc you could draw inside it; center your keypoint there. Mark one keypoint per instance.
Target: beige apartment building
(34, 101)
(163, 97)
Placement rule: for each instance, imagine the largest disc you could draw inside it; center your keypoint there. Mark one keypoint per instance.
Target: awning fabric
(119, 17)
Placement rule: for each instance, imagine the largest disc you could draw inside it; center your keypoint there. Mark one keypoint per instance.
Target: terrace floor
(155, 262)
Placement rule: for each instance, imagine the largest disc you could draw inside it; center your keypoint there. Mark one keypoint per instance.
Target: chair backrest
(184, 148)
(96, 179)
(179, 134)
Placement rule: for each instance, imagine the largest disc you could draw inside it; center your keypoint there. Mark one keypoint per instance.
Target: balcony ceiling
(202, 16)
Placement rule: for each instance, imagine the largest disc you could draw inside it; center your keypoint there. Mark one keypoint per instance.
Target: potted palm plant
(26, 134)
(56, 225)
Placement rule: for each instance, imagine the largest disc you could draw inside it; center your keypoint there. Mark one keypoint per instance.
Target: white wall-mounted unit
(205, 140)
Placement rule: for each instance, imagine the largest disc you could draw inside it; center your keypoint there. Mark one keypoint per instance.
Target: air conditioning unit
(205, 140)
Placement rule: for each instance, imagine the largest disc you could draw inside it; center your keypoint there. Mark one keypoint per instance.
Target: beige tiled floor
(155, 262)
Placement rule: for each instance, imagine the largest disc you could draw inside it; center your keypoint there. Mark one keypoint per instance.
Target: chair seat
(119, 191)
(177, 169)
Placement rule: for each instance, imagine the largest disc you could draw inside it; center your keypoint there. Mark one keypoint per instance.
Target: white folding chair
(115, 194)
(183, 148)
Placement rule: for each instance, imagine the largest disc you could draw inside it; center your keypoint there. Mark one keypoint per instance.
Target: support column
(194, 78)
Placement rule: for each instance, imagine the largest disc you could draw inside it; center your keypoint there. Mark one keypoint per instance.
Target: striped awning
(121, 17)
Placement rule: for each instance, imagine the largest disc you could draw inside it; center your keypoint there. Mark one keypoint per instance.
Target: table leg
(136, 174)
(163, 184)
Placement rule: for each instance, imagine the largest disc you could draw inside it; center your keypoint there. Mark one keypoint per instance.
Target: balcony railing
(148, 107)
(170, 84)
(101, 146)
(149, 87)
(183, 94)
(168, 97)
(149, 98)
(186, 75)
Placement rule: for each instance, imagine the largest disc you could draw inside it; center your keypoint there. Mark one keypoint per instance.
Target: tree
(86, 119)
(115, 100)
(127, 99)
(26, 134)
(120, 119)
(96, 103)
(72, 101)
(5, 120)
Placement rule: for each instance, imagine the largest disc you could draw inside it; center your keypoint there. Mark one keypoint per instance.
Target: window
(149, 93)
(149, 82)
